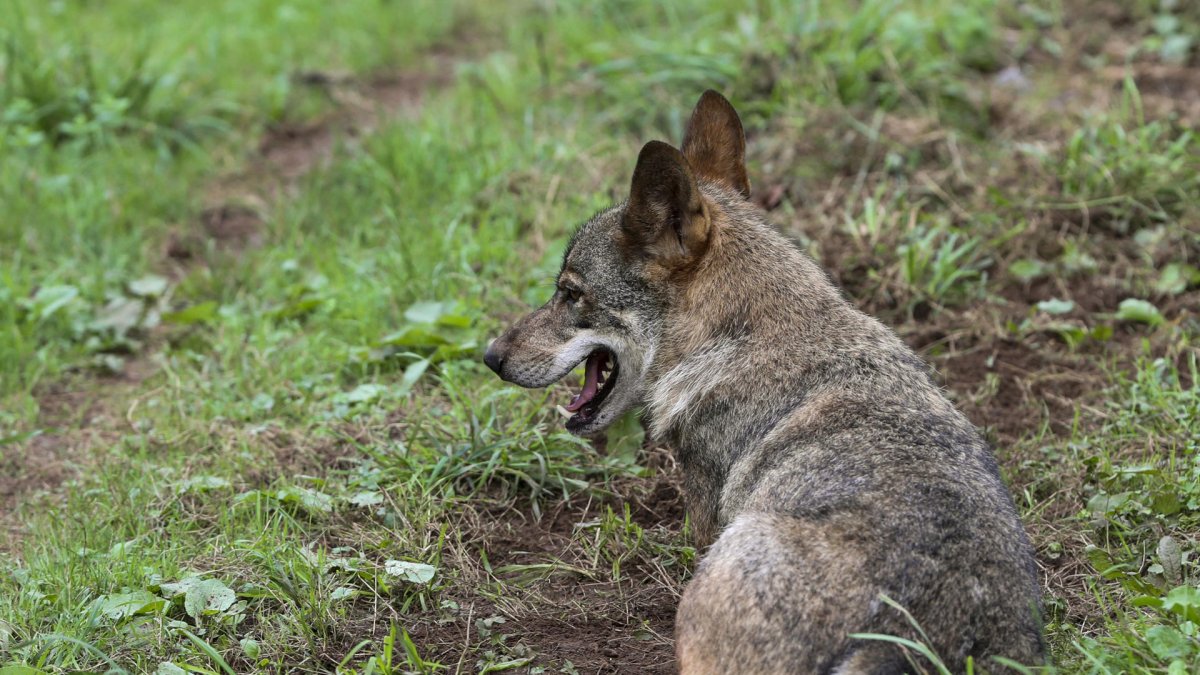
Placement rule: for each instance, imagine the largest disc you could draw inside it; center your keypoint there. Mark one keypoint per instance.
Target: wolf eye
(571, 295)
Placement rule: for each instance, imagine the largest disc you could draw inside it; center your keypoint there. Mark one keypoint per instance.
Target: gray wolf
(819, 456)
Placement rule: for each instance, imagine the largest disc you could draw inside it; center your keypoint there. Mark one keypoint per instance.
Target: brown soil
(74, 418)
(598, 623)
(238, 205)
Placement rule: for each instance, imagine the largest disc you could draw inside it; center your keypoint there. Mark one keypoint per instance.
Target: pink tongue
(591, 382)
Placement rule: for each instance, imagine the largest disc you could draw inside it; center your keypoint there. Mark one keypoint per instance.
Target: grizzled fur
(815, 447)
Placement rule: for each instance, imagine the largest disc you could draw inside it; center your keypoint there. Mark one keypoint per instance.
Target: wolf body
(832, 476)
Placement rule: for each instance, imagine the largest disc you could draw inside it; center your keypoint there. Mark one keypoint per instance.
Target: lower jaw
(582, 427)
(578, 427)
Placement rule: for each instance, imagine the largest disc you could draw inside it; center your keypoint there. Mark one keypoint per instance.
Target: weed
(942, 269)
(63, 97)
(1133, 172)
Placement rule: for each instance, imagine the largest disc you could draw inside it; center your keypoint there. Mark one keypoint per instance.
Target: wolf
(845, 499)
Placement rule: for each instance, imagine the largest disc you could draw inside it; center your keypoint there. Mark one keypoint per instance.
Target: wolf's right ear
(665, 217)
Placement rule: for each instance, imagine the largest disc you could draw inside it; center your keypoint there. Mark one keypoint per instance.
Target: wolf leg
(775, 594)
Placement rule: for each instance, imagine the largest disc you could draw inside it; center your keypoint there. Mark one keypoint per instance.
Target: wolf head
(625, 269)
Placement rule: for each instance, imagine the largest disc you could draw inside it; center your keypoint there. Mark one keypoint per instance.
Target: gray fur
(809, 436)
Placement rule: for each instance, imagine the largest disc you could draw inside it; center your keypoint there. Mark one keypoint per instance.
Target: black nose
(493, 359)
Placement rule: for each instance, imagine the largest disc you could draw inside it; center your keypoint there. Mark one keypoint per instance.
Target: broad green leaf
(121, 315)
(363, 393)
(1176, 277)
(455, 320)
(250, 648)
(415, 337)
(1101, 561)
(413, 573)
(366, 498)
(262, 402)
(122, 547)
(310, 500)
(1027, 270)
(149, 286)
(1055, 306)
(1103, 504)
(297, 308)
(1139, 311)
(203, 484)
(1184, 601)
(210, 596)
(1070, 334)
(204, 312)
(1170, 557)
(1167, 503)
(427, 312)
(1168, 643)
(438, 313)
(50, 299)
(173, 589)
(412, 373)
(124, 605)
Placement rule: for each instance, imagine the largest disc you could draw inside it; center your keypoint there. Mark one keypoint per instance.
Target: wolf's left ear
(665, 217)
(715, 144)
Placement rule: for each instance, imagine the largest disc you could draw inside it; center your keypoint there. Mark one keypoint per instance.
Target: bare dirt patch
(74, 417)
(238, 205)
(545, 588)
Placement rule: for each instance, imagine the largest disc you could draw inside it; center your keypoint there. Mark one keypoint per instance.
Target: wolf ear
(715, 145)
(665, 216)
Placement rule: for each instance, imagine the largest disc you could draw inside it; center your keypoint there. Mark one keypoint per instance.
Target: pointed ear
(665, 217)
(715, 145)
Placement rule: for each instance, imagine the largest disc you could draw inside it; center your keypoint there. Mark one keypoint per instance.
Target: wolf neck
(744, 344)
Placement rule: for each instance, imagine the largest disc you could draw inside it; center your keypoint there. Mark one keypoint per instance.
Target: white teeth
(563, 411)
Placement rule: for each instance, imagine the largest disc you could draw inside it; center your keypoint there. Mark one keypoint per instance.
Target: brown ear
(715, 145)
(665, 216)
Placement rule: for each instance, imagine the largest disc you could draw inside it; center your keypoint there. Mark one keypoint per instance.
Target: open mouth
(599, 376)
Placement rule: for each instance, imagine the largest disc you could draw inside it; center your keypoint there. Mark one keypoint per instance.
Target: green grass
(305, 467)
(102, 113)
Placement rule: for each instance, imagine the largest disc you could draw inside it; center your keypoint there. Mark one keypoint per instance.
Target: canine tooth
(563, 411)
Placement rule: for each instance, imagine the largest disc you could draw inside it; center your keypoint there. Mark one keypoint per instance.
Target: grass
(282, 453)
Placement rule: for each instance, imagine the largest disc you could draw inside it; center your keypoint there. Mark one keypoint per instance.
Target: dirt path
(237, 204)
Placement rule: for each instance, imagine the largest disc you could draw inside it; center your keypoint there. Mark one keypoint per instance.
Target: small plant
(1174, 32)
(64, 97)
(942, 269)
(1128, 172)
(386, 662)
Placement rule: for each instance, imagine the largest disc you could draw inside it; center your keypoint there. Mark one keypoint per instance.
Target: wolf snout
(493, 357)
